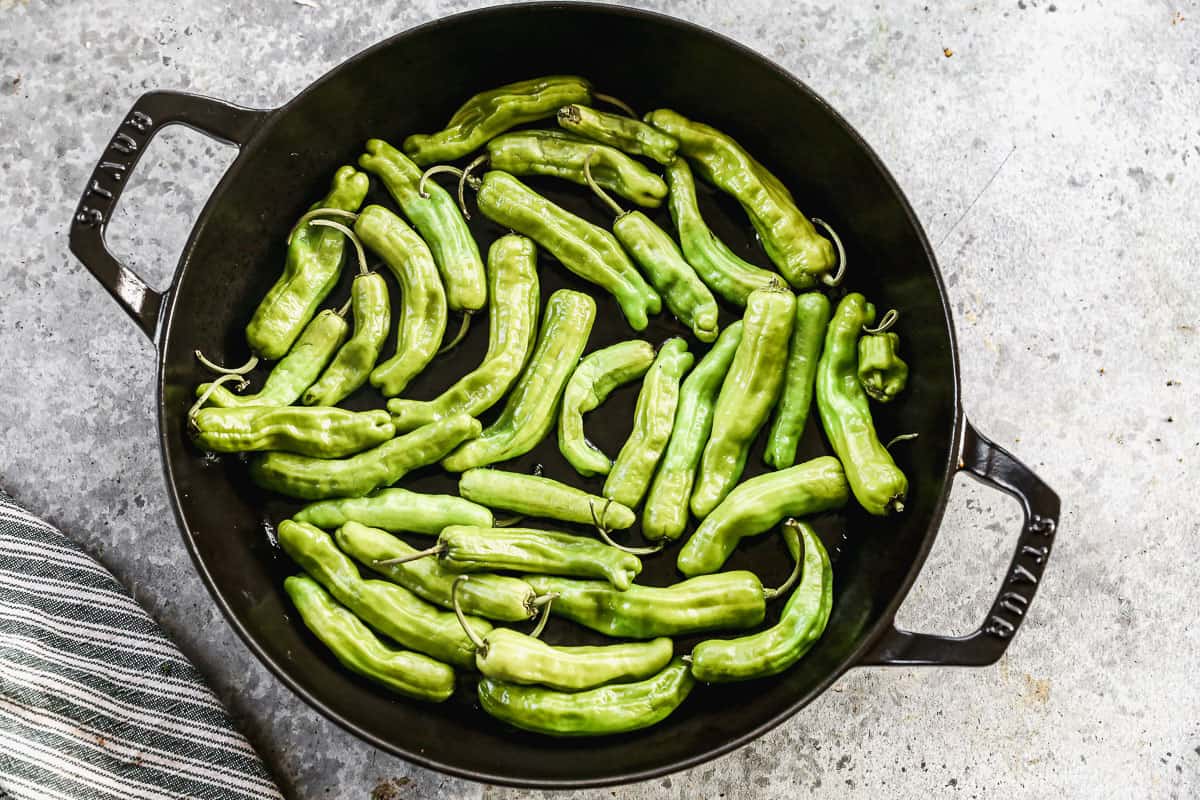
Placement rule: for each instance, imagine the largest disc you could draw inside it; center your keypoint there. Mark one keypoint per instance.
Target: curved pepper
(320, 432)
(666, 513)
(791, 415)
(359, 650)
(793, 244)
(585, 249)
(728, 600)
(495, 111)
(597, 712)
(356, 358)
(535, 496)
(719, 267)
(652, 422)
(758, 505)
(396, 510)
(314, 262)
(801, 624)
(748, 393)
(439, 221)
(529, 412)
(877, 483)
(627, 134)
(597, 375)
(318, 478)
(422, 321)
(388, 608)
(512, 324)
(881, 371)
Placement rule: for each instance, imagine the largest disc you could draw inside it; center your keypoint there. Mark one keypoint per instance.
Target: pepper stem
(602, 529)
(615, 101)
(507, 522)
(792, 537)
(541, 626)
(319, 212)
(836, 278)
(458, 337)
(217, 368)
(436, 550)
(341, 312)
(212, 387)
(464, 179)
(475, 638)
(904, 437)
(349, 234)
(595, 187)
(889, 319)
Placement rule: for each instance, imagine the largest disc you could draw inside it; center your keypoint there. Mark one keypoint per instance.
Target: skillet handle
(995, 466)
(151, 113)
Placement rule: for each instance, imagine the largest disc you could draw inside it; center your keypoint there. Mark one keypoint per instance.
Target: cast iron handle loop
(995, 466)
(151, 113)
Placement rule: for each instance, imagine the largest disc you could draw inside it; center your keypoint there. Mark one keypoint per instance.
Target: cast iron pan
(413, 82)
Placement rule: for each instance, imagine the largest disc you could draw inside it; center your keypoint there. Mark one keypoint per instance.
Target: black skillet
(412, 82)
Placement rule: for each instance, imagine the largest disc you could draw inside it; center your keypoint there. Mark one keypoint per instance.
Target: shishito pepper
(356, 358)
(795, 400)
(319, 432)
(396, 510)
(535, 496)
(881, 371)
(627, 134)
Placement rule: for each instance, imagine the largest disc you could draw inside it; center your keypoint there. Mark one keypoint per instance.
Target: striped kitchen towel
(95, 702)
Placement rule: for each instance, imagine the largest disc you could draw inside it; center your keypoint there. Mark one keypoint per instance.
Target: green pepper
(666, 513)
(512, 321)
(498, 597)
(359, 650)
(529, 412)
(318, 478)
(652, 422)
(748, 393)
(492, 112)
(422, 320)
(388, 608)
(535, 496)
(320, 432)
(801, 624)
(628, 134)
(808, 334)
(597, 375)
(356, 358)
(792, 243)
(878, 484)
(585, 249)
(758, 505)
(396, 510)
(718, 266)
(725, 601)
(437, 218)
(607, 710)
(314, 262)
(562, 155)
(881, 371)
(294, 373)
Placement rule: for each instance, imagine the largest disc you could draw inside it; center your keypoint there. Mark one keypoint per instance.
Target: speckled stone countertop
(1052, 151)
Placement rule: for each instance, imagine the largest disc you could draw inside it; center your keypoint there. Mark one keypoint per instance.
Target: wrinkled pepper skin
(535, 496)
(624, 133)
(881, 371)
(422, 321)
(512, 328)
(747, 396)
(295, 372)
(359, 650)
(314, 262)
(585, 249)
(388, 608)
(356, 358)
(878, 484)
(801, 254)
(605, 711)
(439, 221)
(396, 510)
(310, 478)
(514, 657)
(719, 267)
(562, 155)
(468, 549)
(772, 651)
(760, 504)
(597, 375)
(653, 419)
(725, 601)
(791, 415)
(666, 513)
(319, 432)
(497, 597)
(490, 113)
(529, 412)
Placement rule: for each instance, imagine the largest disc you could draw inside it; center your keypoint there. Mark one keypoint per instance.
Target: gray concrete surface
(1052, 150)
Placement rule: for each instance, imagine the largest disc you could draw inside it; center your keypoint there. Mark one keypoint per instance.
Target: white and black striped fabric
(95, 702)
